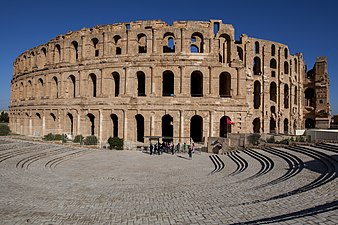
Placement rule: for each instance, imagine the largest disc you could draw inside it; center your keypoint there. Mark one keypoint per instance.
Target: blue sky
(306, 26)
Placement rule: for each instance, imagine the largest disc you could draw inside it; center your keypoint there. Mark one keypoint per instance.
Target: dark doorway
(91, 118)
(141, 84)
(272, 125)
(70, 123)
(139, 128)
(286, 126)
(93, 84)
(196, 128)
(167, 128)
(168, 83)
(257, 94)
(116, 77)
(196, 84)
(115, 124)
(225, 126)
(309, 123)
(256, 125)
(224, 85)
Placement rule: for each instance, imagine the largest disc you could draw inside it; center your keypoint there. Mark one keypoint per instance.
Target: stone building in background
(191, 79)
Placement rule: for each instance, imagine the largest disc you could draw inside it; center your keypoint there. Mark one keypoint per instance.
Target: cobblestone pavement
(59, 184)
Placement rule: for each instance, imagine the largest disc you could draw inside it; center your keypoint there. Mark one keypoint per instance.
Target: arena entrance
(167, 128)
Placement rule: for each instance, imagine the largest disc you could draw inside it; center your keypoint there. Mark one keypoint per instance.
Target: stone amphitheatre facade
(191, 79)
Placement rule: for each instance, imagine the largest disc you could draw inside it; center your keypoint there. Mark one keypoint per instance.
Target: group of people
(158, 148)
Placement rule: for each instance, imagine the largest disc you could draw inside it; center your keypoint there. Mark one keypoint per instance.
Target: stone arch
(74, 52)
(92, 84)
(257, 94)
(139, 128)
(40, 88)
(257, 66)
(310, 97)
(42, 58)
(116, 78)
(168, 43)
(273, 91)
(51, 123)
(91, 123)
(225, 85)
(21, 90)
(69, 124)
(115, 125)
(37, 125)
(240, 53)
(286, 96)
(286, 53)
(57, 53)
(71, 86)
(196, 84)
(197, 43)
(168, 80)
(273, 50)
(295, 67)
(224, 126)
(117, 45)
(256, 47)
(95, 49)
(54, 88)
(286, 67)
(142, 43)
(141, 83)
(256, 124)
(29, 89)
(273, 64)
(196, 128)
(167, 128)
(224, 47)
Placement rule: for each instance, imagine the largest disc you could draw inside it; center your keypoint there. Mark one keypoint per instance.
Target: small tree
(4, 130)
(4, 117)
(78, 138)
(115, 143)
(49, 137)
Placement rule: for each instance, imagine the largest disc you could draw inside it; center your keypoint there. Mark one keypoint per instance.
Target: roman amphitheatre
(185, 82)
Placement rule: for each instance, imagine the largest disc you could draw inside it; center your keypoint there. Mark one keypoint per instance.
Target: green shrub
(271, 139)
(300, 139)
(284, 141)
(90, 140)
(58, 137)
(78, 138)
(254, 138)
(115, 143)
(4, 130)
(49, 137)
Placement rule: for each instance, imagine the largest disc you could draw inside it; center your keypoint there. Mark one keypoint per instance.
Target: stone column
(211, 125)
(100, 128)
(30, 127)
(152, 80)
(43, 125)
(125, 126)
(181, 126)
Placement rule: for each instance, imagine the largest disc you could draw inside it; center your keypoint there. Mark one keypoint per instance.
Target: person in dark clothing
(189, 152)
(151, 149)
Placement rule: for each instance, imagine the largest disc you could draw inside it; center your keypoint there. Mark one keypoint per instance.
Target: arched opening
(273, 50)
(225, 84)
(256, 125)
(95, 41)
(286, 126)
(224, 48)
(69, 124)
(310, 97)
(40, 88)
(273, 92)
(118, 49)
(37, 125)
(286, 96)
(91, 119)
(141, 84)
(286, 67)
(295, 65)
(51, 124)
(92, 84)
(42, 57)
(115, 125)
(286, 53)
(29, 89)
(168, 83)
(256, 47)
(257, 66)
(273, 64)
(197, 43)
(57, 53)
(196, 84)
(142, 43)
(139, 128)
(240, 53)
(257, 94)
(224, 126)
(168, 43)
(75, 52)
(272, 125)
(71, 86)
(116, 77)
(309, 123)
(167, 128)
(196, 128)
(55, 88)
